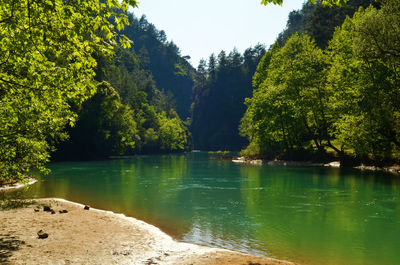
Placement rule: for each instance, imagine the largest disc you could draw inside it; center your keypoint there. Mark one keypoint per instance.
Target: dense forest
(344, 98)
(219, 93)
(131, 81)
(72, 82)
(172, 73)
(226, 80)
(319, 21)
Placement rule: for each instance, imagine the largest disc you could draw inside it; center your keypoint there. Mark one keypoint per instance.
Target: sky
(202, 27)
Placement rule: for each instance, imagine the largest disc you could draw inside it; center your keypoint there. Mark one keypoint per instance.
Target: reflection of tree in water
(297, 210)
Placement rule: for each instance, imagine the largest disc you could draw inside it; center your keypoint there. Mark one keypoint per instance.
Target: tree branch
(12, 13)
(14, 83)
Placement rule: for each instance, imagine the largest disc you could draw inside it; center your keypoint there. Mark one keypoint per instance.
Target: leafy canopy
(289, 105)
(365, 79)
(46, 64)
(346, 96)
(325, 2)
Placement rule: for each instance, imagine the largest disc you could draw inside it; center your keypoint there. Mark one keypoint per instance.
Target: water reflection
(309, 215)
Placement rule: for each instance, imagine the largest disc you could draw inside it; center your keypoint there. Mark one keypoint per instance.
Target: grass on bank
(9, 204)
(14, 200)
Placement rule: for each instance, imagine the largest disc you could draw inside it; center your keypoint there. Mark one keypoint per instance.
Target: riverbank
(99, 237)
(16, 185)
(395, 169)
(245, 160)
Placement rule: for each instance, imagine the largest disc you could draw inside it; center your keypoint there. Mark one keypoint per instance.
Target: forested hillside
(172, 73)
(319, 21)
(343, 99)
(130, 114)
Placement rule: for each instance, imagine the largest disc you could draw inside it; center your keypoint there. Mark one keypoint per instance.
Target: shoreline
(17, 185)
(101, 237)
(284, 163)
(333, 164)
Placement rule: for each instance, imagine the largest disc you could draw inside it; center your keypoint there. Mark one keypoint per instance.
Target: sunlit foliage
(348, 94)
(325, 2)
(46, 63)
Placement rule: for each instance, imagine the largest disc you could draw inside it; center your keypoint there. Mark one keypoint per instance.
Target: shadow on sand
(8, 244)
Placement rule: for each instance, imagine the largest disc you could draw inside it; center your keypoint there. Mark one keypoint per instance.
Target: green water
(306, 215)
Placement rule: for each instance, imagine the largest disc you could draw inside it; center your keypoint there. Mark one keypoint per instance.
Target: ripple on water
(256, 188)
(205, 187)
(378, 216)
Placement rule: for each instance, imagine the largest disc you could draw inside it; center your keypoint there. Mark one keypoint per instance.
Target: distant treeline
(219, 93)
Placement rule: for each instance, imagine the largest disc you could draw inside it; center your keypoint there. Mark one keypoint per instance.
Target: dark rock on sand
(42, 235)
(86, 207)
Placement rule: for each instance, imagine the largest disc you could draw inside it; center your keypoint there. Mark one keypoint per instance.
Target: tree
(319, 21)
(290, 104)
(172, 133)
(262, 69)
(364, 77)
(219, 99)
(349, 93)
(325, 2)
(212, 66)
(46, 64)
(105, 127)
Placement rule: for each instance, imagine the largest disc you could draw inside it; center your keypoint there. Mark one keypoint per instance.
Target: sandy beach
(98, 237)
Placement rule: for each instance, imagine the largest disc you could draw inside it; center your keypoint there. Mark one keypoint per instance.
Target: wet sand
(99, 237)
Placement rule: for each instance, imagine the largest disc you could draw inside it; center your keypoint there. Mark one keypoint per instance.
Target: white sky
(202, 27)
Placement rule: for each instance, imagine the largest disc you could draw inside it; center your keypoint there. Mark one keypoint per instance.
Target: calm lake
(305, 215)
